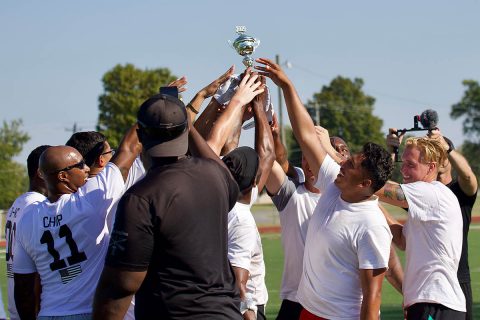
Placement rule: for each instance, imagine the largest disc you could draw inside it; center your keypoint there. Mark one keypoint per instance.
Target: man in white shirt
(58, 238)
(245, 252)
(432, 235)
(36, 193)
(348, 240)
(97, 152)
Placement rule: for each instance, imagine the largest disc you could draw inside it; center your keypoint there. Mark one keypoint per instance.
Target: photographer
(464, 185)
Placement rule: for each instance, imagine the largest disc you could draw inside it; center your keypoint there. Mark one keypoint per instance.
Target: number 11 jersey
(59, 241)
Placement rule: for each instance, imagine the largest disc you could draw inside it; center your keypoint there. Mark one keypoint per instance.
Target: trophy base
(247, 62)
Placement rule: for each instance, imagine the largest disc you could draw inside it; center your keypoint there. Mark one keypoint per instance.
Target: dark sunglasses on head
(112, 151)
(79, 165)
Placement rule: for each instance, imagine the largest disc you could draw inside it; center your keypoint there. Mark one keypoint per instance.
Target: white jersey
(342, 238)
(13, 216)
(245, 250)
(434, 235)
(58, 240)
(295, 206)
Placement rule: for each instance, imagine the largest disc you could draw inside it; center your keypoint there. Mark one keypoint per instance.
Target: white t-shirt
(295, 206)
(58, 240)
(342, 238)
(433, 233)
(13, 216)
(245, 250)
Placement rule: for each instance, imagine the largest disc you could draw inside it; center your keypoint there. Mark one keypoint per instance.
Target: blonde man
(432, 235)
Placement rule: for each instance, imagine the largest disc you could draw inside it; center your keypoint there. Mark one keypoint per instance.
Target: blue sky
(412, 55)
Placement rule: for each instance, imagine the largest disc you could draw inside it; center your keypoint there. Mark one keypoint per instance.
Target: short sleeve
(241, 244)
(327, 173)
(106, 187)
(281, 199)
(374, 247)
(422, 201)
(132, 240)
(23, 263)
(135, 174)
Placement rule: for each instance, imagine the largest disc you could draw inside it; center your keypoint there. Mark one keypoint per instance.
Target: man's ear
(432, 166)
(62, 176)
(101, 162)
(366, 183)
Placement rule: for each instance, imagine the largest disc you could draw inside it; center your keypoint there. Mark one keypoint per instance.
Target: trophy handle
(257, 42)
(230, 44)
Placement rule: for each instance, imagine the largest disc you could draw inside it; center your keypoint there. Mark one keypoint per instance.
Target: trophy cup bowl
(245, 45)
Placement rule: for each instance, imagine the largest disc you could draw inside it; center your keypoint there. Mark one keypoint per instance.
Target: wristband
(189, 106)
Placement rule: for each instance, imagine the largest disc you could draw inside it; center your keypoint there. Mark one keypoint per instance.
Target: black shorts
(467, 291)
(433, 311)
(289, 310)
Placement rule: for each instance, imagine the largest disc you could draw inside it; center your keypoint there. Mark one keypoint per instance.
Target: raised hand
(270, 69)
(248, 88)
(393, 140)
(179, 83)
(210, 90)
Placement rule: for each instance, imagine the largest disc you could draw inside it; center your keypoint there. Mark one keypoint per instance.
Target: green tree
(13, 177)
(125, 88)
(346, 111)
(469, 108)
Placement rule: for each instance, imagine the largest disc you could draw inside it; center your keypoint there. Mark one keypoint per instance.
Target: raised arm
(263, 140)
(130, 147)
(302, 124)
(196, 103)
(248, 88)
(465, 176)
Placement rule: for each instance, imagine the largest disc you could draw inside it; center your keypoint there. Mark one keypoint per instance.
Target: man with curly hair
(348, 240)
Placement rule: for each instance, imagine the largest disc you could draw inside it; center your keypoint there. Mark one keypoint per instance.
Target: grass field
(391, 300)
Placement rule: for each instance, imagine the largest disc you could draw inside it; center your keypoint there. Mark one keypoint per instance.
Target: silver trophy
(245, 45)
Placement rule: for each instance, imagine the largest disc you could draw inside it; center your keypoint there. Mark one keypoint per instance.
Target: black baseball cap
(243, 164)
(163, 125)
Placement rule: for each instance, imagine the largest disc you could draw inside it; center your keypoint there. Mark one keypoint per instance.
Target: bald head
(340, 146)
(58, 157)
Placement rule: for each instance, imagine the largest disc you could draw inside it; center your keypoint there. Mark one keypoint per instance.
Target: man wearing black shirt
(464, 186)
(169, 242)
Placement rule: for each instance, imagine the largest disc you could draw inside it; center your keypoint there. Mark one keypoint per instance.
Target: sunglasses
(112, 151)
(79, 165)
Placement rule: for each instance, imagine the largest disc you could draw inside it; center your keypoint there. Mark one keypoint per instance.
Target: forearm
(206, 119)
(263, 144)
(394, 273)
(223, 126)
(465, 175)
(111, 309)
(196, 104)
(396, 228)
(130, 147)
(303, 127)
(232, 141)
(199, 147)
(370, 307)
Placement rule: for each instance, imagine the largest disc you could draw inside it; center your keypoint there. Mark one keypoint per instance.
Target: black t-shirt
(466, 205)
(173, 224)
